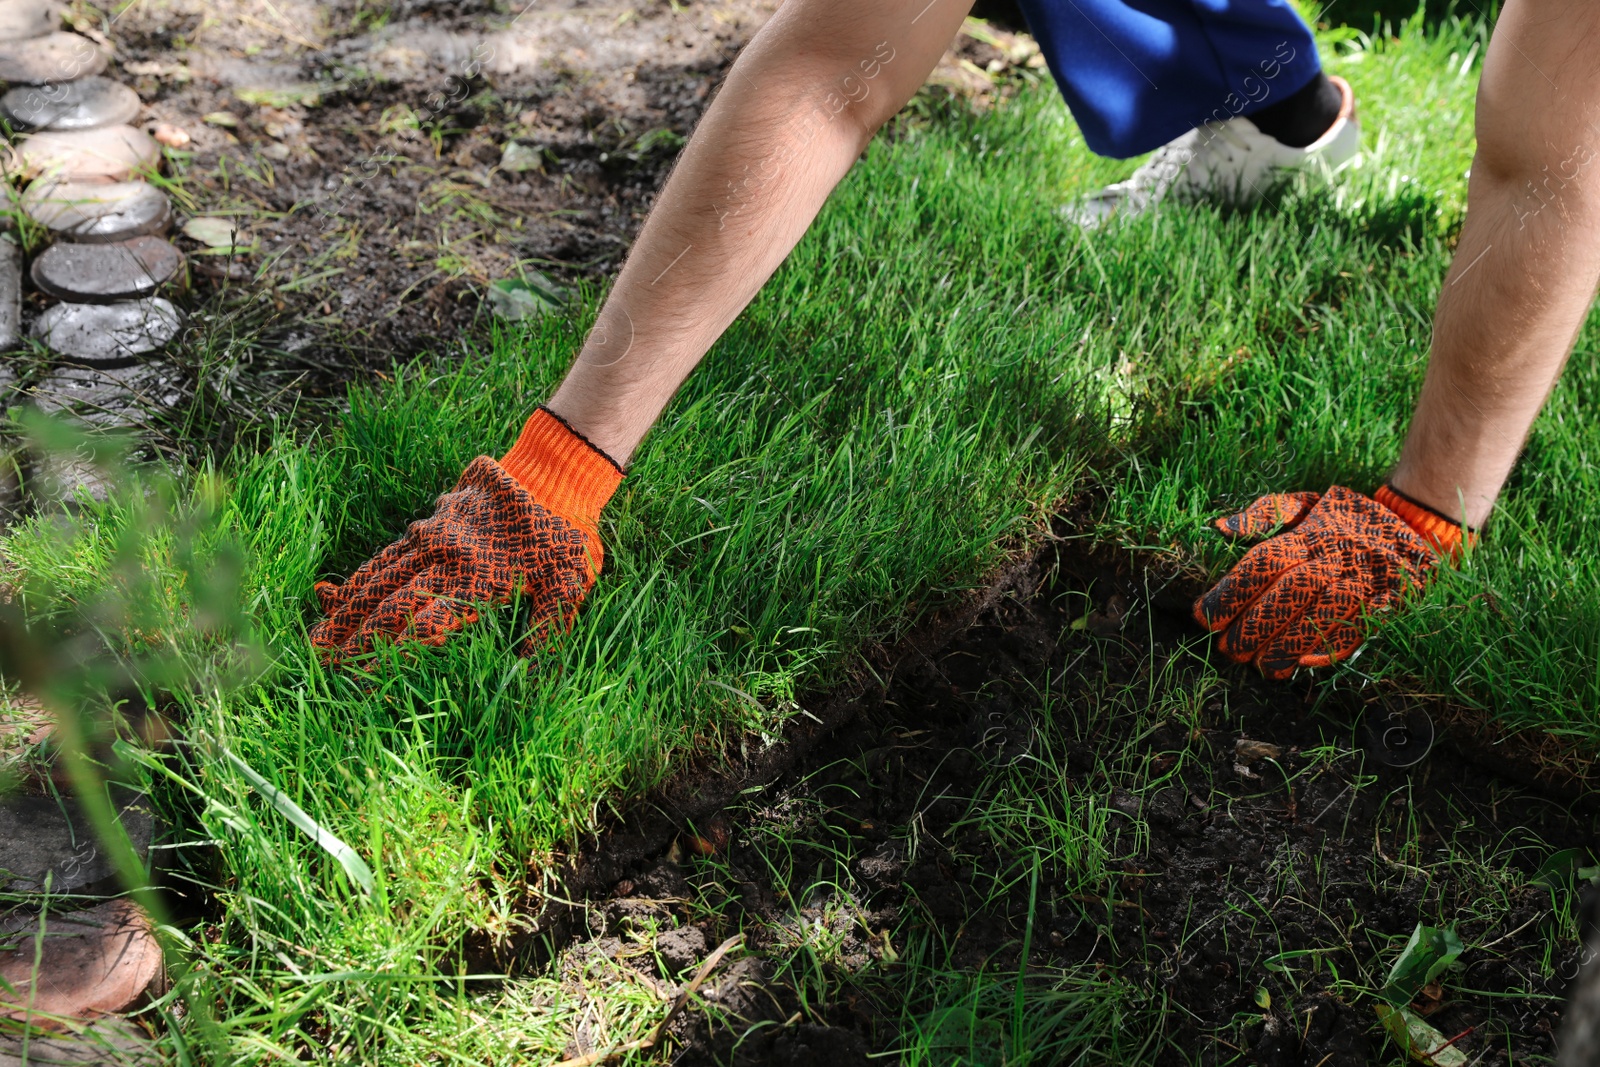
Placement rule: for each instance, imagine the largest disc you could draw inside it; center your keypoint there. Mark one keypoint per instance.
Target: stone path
(103, 1043)
(74, 953)
(72, 950)
(80, 965)
(85, 174)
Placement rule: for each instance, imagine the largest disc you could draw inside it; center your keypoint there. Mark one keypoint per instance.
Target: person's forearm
(796, 111)
(1525, 270)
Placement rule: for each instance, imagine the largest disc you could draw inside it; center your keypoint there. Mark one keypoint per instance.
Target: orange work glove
(1296, 600)
(526, 524)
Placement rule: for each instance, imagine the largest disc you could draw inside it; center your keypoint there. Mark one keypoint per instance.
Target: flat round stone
(108, 334)
(113, 152)
(80, 965)
(55, 57)
(22, 19)
(78, 105)
(110, 1042)
(10, 293)
(104, 395)
(50, 841)
(102, 274)
(92, 213)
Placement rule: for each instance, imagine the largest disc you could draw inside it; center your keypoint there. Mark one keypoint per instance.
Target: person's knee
(1539, 98)
(1538, 168)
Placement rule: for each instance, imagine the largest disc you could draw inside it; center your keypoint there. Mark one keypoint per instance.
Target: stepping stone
(108, 334)
(61, 483)
(55, 57)
(116, 153)
(93, 397)
(22, 19)
(101, 274)
(91, 213)
(86, 964)
(98, 156)
(103, 1043)
(106, 396)
(42, 837)
(10, 293)
(78, 105)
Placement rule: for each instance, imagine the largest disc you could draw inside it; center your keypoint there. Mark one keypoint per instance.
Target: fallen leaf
(1428, 999)
(1426, 955)
(307, 93)
(1249, 751)
(215, 232)
(528, 297)
(518, 157)
(1419, 1040)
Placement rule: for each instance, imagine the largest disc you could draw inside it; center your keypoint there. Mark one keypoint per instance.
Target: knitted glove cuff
(562, 470)
(1443, 535)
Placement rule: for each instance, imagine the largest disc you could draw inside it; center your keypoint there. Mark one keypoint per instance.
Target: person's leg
(1527, 263)
(1139, 73)
(1302, 117)
(1230, 92)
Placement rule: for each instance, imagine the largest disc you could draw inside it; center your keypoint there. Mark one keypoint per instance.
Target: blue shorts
(1137, 73)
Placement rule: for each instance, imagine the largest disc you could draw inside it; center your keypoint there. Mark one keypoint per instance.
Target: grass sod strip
(1516, 630)
(923, 379)
(840, 465)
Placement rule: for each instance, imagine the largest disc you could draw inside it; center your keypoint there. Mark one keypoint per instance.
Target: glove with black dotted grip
(1298, 598)
(524, 525)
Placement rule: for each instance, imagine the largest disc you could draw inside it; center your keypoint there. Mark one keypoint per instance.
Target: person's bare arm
(796, 111)
(1525, 271)
(1517, 292)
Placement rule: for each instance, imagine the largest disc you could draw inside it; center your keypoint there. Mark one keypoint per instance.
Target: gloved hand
(1296, 599)
(526, 524)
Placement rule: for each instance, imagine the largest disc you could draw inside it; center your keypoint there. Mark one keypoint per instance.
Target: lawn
(938, 366)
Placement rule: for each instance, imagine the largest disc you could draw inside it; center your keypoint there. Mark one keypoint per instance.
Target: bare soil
(1262, 846)
(388, 161)
(364, 149)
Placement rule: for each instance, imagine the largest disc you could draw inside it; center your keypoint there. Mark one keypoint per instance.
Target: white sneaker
(1232, 161)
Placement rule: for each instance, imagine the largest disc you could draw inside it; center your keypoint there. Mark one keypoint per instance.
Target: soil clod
(1248, 867)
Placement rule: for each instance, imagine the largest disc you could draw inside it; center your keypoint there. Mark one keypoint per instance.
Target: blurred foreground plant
(158, 611)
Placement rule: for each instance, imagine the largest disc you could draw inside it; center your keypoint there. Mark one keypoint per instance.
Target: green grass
(968, 1019)
(867, 465)
(938, 364)
(1323, 393)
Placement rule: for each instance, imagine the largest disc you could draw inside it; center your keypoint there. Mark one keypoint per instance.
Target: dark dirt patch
(362, 147)
(383, 164)
(1254, 847)
(389, 161)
